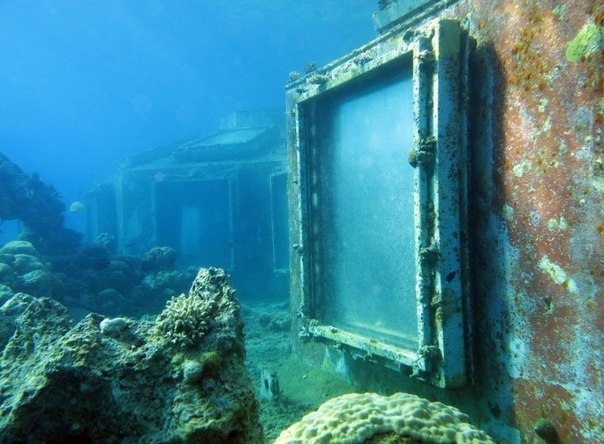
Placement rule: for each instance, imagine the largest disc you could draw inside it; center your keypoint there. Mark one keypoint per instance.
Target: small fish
(77, 207)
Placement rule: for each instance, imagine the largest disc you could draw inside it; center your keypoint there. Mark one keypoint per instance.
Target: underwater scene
(314, 221)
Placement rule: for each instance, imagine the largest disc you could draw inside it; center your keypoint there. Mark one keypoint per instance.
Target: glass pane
(280, 222)
(364, 212)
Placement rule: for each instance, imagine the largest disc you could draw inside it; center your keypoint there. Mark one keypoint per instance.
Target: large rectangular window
(363, 209)
(377, 152)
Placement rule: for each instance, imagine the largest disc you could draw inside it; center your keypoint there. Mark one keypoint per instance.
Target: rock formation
(22, 269)
(38, 206)
(179, 378)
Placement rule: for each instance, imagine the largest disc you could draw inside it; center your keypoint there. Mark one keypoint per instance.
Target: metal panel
(450, 216)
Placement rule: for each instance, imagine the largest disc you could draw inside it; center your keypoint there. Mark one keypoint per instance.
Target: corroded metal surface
(544, 322)
(536, 231)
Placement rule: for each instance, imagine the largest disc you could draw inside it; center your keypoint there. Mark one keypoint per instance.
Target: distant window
(377, 153)
(195, 218)
(279, 216)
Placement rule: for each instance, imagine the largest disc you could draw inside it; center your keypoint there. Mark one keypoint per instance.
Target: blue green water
(85, 84)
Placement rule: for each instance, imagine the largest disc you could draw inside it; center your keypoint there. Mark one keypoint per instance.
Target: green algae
(585, 44)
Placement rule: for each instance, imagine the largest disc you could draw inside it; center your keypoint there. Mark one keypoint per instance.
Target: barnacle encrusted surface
(357, 417)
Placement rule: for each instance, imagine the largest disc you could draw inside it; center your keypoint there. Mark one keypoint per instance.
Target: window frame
(439, 59)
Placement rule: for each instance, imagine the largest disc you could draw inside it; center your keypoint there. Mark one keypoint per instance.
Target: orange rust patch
(544, 172)
(538, 400)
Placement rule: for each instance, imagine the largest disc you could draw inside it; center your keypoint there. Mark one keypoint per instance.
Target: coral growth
(23, 270)
(184, 322)
(187, 318)
(159, 258)
(356, 417)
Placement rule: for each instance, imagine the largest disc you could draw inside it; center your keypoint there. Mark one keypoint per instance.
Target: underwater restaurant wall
(218, 200)
(445, 206)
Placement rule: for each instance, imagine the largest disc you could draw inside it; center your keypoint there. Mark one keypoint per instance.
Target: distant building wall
(209, 199)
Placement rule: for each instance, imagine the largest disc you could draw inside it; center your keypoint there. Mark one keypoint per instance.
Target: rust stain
(546, 167)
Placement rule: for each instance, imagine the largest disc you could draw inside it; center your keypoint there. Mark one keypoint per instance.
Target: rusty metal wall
(536, 224)
(536, 210)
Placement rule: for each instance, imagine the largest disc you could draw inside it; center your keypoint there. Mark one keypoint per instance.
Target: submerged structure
(217, 201)
(445, 199)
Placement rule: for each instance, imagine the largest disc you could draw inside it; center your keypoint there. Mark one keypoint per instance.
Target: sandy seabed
(302, 388)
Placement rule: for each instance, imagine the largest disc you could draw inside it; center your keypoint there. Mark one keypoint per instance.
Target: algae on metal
(586, 44)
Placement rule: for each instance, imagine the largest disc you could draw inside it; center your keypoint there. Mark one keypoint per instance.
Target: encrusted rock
(114, 327)
(19, 247)
(269, 385)
(159, 258)
(192, 371)
(88, 384)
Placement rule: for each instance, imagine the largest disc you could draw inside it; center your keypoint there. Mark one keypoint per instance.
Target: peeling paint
(557, 274)
(522, 168)
(508, 212)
